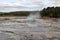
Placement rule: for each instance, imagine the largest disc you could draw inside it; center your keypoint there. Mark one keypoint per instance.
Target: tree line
(49, 12)
(17, 13)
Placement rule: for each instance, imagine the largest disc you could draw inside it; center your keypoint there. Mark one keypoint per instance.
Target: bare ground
(12, 29)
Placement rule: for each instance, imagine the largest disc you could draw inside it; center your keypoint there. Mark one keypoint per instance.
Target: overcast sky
(26, 5)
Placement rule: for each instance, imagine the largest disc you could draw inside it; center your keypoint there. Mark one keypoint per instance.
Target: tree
(51, 12)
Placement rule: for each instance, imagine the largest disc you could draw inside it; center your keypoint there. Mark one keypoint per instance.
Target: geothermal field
(32, 27)
(15, 28)
(29, 19)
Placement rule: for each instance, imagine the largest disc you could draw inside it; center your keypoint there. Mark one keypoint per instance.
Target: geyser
(33, 16)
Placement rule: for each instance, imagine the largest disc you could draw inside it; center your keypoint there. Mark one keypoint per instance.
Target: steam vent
(33, 16)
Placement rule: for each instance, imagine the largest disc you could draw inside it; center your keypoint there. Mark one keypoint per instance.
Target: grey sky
(26, 5)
